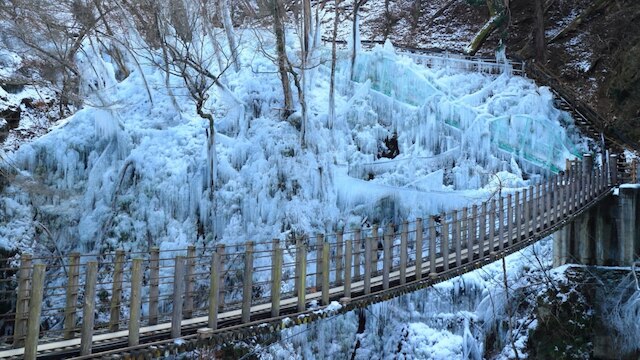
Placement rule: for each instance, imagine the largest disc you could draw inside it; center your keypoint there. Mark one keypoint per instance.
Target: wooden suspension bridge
(138, 304)
(145, 301)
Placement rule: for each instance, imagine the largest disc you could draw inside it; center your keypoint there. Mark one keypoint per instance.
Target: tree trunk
(355, 34)
(228, 28)
(332, 96)
(303, 105)
(541, 47)
(498, 14)
(278, 29)
(306, 27)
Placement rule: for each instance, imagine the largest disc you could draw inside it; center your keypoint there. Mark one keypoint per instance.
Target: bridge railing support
(154, 283)
(71, 300)
(455, 229)
(116, 291)
(178, 296)
(357, 252)
(135, 302)
(444, 241)
(319, 247)
(347, 268)
(404, 239)
(613, 169)
(386, 257)
(432, 245)
(517, 218)
(418, 246)
(500, 234)
(188, 281)
(339, 260)
(375, 240)
(301, 280)
(276, 277)
(492, 225)
(368, 262)
(247, 282)
(22, 302)
(88, 314)
(326, 274)
(482, 228)
(214, 290)
(471, 232)
(35, 307)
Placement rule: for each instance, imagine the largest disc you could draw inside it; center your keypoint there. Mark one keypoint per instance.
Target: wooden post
(247, 283)
(386, 257)
(557, 198)
(419, 241)
(432, 245)
(188, 281)
(178, 292)
(540, 204)
(301, 262)
(136, 302)
(214, 290)
(221, 250)
(276, 278)
(116, 292)
(22, 303)
(509, 219)
(357, 253)
(492, 225)
(562, 197)
(526, 203)
(482, 229)
(35, 308)
(319, 246)
(404, 238)
(154, 284)
(547, 197)
(374, 248)
(518, 218)
(577, 192)
(368, 254)
(464, 227)
(339, 258)
(444, 241)
(501, 214)
(455, 227)
(471, 232)
(72, 296)
(553, 195)
(572, 191)
(326, 247)
(347, 268)
(89, 308)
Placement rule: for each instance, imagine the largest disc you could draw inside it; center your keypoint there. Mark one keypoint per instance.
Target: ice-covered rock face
(130, 170)
(471, 122)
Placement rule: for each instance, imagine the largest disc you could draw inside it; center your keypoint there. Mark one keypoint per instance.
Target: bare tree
(277, 10)
(354, 33)
(332, 96)
(541, 46)
(225, 14)
(499, 16)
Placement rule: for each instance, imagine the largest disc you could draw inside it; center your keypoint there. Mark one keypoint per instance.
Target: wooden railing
(139, 296)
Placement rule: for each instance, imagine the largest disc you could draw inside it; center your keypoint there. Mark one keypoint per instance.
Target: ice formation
(129, 170)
